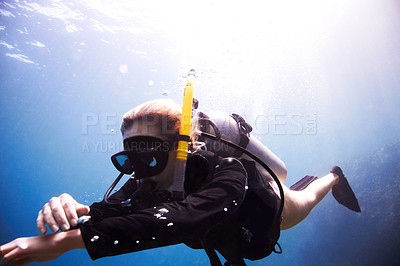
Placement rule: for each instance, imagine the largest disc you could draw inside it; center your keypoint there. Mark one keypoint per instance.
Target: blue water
(319, 82)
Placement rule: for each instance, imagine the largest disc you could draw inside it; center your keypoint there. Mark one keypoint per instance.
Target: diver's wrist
(70, 240)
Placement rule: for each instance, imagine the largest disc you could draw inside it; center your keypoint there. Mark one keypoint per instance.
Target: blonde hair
(164, 112)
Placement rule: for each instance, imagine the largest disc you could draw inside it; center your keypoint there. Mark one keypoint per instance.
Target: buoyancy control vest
(252, 231)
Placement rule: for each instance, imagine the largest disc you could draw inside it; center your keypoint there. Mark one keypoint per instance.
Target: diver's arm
(41, 248)
(169, 223)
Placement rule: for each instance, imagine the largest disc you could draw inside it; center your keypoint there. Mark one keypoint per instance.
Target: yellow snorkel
(184, 138)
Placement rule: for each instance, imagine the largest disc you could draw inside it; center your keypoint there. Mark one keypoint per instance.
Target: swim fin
(343, 193)
(303, 183)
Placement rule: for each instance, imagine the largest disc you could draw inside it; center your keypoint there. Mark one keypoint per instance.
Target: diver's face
(139, 128)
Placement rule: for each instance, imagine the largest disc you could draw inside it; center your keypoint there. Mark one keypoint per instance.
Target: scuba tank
(236, 130)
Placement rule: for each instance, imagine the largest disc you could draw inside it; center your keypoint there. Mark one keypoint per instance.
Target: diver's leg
(298, 204)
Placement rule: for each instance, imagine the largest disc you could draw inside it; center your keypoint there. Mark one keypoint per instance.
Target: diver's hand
(40, 248)
(60, 213)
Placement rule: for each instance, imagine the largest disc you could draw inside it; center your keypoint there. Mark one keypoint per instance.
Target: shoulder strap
(244, 130)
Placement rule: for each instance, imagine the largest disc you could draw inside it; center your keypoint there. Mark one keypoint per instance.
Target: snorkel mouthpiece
(184, 138)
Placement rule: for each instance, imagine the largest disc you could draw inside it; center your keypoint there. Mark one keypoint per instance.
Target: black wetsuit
(215, 216)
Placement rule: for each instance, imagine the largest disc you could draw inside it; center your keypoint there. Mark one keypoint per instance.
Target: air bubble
(94, 239)
(160, 214)
(163, 210)
(116, 242)
(246, 187)
(153, 238)
(170, 224)
(137, 241)
(225, 209)
(123, 69)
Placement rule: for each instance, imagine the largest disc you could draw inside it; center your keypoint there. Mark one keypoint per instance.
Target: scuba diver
(232, 204)
(234, 200)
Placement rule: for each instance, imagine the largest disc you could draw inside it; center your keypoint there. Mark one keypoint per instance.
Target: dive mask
(143, 155)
